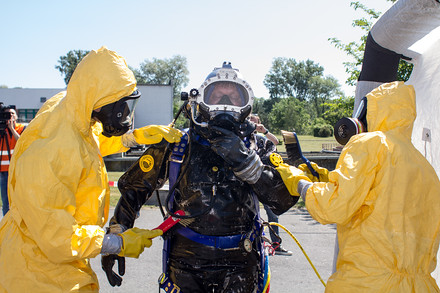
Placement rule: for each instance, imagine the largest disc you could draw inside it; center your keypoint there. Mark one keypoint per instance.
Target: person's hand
(135, 240)
(107, 263)
(153, 134)
(260, 128)
(230, 147)
(323, 172)
(245, 163)
(11, 124)
(291, 176)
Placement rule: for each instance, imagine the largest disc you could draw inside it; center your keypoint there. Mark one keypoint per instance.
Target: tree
(262, 107)
(355, 50)
(172, 71)
(321, 90)
(68, 63)
(289, 78)
(164, 71)
(337, 108)
(302, 80)
(290, 114)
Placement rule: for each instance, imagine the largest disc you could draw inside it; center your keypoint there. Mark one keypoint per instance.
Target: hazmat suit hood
(392, 106)
(58, 185)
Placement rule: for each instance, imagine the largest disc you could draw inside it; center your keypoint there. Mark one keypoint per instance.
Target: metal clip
(176, 160)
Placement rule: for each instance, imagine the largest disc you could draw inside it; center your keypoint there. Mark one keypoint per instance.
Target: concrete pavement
(289, 273)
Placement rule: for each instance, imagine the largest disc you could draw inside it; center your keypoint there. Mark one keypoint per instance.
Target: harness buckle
(176, 160)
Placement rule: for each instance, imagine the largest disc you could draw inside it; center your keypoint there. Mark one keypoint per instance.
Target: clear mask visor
(225, 93)
(132, 106)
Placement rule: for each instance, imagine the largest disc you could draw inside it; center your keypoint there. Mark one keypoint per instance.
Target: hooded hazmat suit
(58, 185)
(385, 199)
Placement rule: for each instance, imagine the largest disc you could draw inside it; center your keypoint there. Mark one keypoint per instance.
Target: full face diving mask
(224, 99)
(117, 117)
(347, 127)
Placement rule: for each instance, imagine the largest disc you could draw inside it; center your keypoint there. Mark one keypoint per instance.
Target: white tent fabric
(425, 79)
(401, 26)
(426, 131)
(406, 22)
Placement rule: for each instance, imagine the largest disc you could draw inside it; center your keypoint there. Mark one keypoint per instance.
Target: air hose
(302, 249)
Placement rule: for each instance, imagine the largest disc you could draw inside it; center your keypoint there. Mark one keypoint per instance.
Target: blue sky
(247, 33)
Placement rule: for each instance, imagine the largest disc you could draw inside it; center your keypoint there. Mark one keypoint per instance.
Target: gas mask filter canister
(347, 127)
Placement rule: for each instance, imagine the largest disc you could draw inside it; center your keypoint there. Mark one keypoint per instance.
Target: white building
(155, 106)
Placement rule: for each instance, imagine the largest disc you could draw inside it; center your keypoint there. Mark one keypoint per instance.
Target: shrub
(322, 130)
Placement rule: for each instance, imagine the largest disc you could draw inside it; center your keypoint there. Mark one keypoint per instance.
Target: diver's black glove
(246, 164)
(107, 263)
(108, 260)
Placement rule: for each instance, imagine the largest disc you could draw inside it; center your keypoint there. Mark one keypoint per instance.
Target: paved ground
(289, 273)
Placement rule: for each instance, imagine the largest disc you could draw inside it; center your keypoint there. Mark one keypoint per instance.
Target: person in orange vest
(10, 131)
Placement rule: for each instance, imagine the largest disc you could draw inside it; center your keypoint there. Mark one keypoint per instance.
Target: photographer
(10, 131)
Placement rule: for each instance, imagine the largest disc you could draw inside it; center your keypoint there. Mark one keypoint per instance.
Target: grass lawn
(114, 191)
(308, 143)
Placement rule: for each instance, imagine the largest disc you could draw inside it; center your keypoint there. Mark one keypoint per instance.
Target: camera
(5, 115)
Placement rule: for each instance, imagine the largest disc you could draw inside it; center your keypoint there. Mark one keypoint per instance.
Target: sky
(247, 33)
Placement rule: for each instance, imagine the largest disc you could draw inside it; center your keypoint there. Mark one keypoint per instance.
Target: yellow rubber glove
(135, 240)
(323, 172)
(291, 176)
(152, 134)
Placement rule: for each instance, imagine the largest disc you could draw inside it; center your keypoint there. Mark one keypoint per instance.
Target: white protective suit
(58, 185)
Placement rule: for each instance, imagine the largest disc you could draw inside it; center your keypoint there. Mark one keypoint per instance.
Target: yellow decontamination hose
(297, 242)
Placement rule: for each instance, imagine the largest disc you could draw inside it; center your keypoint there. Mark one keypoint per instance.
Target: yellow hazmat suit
(58, 185)
(385, 199)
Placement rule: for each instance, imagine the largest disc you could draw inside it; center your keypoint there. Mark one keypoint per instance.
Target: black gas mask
(117, 117)
(347, 127)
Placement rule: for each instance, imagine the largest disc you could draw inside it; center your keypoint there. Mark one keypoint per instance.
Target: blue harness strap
(223, 242)
(176, 160)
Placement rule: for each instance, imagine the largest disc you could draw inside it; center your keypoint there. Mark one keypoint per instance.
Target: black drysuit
(223, 204)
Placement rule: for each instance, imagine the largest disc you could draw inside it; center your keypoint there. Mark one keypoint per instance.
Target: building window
(26, 115)
(42, 99)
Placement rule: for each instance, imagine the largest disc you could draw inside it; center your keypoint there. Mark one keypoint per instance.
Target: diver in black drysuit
(223, 175)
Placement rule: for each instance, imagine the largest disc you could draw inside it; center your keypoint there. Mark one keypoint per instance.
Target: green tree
(321, 90)
(262, 107)
(302, 80)
(67, 64)
(290, 114)
(355, 50)
(172, 71)
(289, 78)
(338, 108)
(164, 71)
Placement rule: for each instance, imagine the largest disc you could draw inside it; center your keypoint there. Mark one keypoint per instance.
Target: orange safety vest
(4, 161)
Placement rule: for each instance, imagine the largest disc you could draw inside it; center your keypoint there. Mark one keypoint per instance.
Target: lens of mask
(226, 93)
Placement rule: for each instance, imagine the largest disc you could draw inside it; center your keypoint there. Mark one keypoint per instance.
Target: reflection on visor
(226, 93)
(132, 106)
